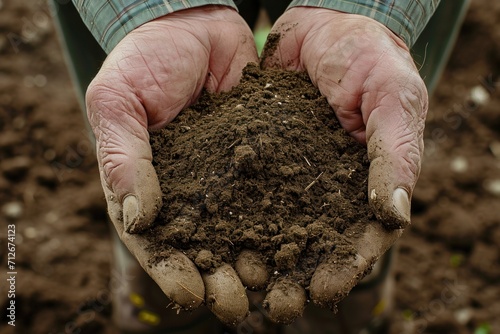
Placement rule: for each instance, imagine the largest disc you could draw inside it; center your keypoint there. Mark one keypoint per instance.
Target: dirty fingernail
(401, 201)
(130, 213)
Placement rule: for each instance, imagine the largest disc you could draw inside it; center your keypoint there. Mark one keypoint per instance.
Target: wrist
(406, 20)
(348, 23)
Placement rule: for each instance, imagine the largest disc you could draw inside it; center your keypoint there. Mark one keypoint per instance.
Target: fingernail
(130, 213)
(401, 201)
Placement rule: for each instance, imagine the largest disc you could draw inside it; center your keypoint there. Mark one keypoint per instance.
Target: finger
(225, 295)
(174, 273)
(179, 279)
(124, 158)
(335, 277)
(394, 133)
(375, 241)
(142, 205)
(285, 302)
(252, 270)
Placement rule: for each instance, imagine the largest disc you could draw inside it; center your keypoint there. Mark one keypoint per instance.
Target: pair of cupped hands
(362, 68)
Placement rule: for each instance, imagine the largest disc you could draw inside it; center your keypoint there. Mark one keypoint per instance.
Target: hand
(369, 78)
(152, 74)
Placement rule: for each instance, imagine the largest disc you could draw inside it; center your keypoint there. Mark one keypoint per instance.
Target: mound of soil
(265, 167)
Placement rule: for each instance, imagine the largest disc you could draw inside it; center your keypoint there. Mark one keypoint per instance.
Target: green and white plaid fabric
(110, 20)
(406, 18)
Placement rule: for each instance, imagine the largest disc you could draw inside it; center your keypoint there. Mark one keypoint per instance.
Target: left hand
(369, 78)
(155, 71)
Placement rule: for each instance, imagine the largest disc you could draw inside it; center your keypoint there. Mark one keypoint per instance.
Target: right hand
(369, 78)
(157, 70)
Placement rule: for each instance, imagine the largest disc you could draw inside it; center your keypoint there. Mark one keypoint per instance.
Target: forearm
(406, 18)
(111, 20)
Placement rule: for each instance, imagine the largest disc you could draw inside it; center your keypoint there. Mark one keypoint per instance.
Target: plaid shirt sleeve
(110, 20)
(406, 18)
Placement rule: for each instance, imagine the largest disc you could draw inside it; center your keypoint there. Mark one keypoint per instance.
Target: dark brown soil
(447, 277)
(264, 167)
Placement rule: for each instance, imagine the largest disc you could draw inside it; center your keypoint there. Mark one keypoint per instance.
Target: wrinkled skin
(160, 68)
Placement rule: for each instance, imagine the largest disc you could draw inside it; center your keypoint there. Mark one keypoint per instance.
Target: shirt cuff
(406, 18)
(111, 20)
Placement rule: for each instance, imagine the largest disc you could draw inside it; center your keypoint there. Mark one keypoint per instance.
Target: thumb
(124, 157)
(394, 134)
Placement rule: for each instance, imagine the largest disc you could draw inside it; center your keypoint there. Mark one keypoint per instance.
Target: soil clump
(265, 167)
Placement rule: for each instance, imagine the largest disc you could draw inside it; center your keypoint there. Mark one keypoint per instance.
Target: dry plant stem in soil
(264, 179)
